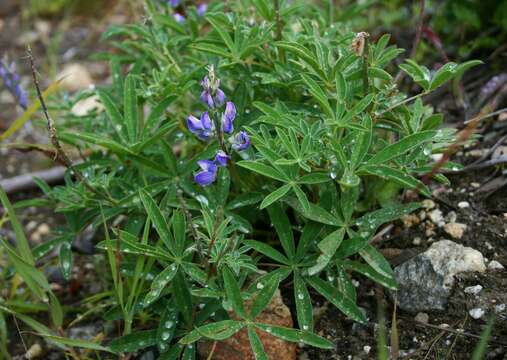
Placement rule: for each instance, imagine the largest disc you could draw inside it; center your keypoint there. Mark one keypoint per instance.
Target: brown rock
(456, 230)
(237, 347)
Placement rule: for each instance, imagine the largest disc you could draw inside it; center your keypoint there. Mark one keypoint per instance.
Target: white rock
(474, 290)
(83, 107)
(422, 318)
(34, 352)
(499, 308)
(416, 241)
(75, 77)
(495, 265)
(477, 313)
(450, 258)
(436, 216)
(367, 349)
(463, 204)
(428, 204)
(456, 230)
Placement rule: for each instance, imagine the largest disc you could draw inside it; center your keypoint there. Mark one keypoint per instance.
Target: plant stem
(366, 83)
(407, 100)
(279, 28)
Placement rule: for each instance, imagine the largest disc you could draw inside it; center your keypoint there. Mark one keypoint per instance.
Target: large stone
(237, 347)
(426, 281)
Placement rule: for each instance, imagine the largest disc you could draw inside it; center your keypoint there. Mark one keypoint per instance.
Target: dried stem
(60, 155)
(417, 39)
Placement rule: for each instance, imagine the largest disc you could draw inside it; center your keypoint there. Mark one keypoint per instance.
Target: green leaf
(156, 113)
(294, 335)
(316, 213)
(267, 250)
(65, 258)
(444, 74)
(220, 29)
(283, 229)
(304, 309)
(166, 328)
(399, 148)
(159, 283)
(182, 297)
(263, 169)
(303, 200)
(130, 108)
(369, 272)
(113, 113)
(399, 177)
(377, 261)
(327, 247)
(134, 342)
(334, 296)
(233, 292)
(218, 331)
(275, 195)
(264, 296)
(372, 220)
(314, 178)
(158, 220)
(179, 225)
(302, 53)
(21, 242)
(256, 344)
(319, 95)
(357, 109)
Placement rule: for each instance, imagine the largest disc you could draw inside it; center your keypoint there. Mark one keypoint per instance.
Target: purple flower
(202, 127)
(228, 117)
(178, 17)
(208, 172)
(221, 158)
(174, 3)
(201, 9)
(212, 95)
(12, 83)
(241, 141)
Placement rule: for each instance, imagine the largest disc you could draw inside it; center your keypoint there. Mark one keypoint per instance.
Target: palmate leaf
(337, 298)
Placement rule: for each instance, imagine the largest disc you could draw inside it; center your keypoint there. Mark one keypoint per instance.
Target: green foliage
(328, 130)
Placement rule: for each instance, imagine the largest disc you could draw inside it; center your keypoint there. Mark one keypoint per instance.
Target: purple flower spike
(241, 141)
(208, 172)
(201, 9)
(178, 17)
(202, 127)
(221, 158)
(11, 81)
(228, 118)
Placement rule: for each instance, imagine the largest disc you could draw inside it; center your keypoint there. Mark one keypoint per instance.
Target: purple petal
(174, 3)
(220, 97)
(206, 121)
(201, 9)
(205, 178)
(194, 124)
(221, 158)
(206, 84)
(207, 165)
(178, 17)
(241, 141)
(228, 117)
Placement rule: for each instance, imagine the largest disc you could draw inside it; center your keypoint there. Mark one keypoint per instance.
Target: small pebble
(474, 290)
(463, 204)
(475, 185)
(436, 216)
(477, 313)
(367, 349)
(43, 229)
(428, 204)
(34, 352)
(422, 318)
(499, 308)
(416, 241)
(456, 230)
(495, 265)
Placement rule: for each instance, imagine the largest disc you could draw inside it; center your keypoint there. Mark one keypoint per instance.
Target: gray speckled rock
(426, 281)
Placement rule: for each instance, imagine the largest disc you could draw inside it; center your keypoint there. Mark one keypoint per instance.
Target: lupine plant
(263, 143)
